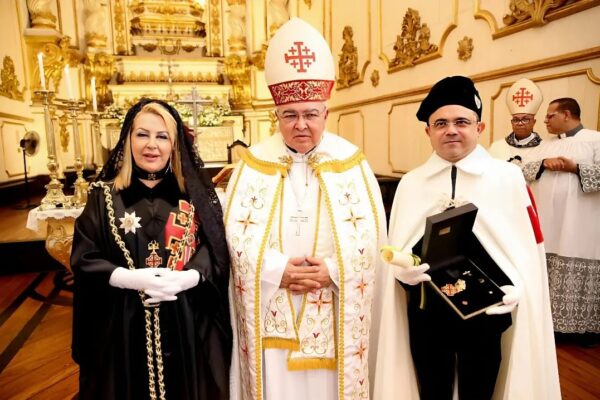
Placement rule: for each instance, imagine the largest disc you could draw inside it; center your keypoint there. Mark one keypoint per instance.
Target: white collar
(474, 163)
(528, 139)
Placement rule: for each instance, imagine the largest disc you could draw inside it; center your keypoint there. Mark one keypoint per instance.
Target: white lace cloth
(37, 215)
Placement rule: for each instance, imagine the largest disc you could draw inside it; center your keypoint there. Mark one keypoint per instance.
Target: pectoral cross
(299, 218)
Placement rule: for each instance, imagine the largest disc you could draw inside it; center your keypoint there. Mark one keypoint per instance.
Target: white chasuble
(281, 206)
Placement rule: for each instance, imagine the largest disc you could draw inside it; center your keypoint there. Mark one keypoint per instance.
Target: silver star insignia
(130, 222)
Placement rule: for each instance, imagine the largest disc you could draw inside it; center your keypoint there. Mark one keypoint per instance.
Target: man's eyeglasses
(550, 115)
(289, 117)
(521, 121)
(460, 123)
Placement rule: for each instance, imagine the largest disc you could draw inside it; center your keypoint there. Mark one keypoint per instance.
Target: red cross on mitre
(300, 57)
(522, 97)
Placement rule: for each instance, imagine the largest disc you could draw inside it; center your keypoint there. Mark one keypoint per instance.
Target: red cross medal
(153, 260)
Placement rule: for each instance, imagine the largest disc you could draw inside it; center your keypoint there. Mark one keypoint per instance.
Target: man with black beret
(508, 351)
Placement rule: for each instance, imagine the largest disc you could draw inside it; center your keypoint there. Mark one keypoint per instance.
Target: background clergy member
(565, 180)
(523, 100)
(304, 220)
(487, 360)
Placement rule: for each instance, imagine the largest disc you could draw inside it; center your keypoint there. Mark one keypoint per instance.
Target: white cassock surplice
(280, 205)
(569, 210)
(518, 151)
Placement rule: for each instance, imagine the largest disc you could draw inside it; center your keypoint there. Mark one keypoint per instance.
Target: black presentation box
(461, 271)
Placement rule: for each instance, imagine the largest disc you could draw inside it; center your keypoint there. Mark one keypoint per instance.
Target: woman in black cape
(151, 268)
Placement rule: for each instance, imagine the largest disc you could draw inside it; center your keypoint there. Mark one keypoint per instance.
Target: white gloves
(161, 284)
(510, 300)
(412, 275)
(407, 266)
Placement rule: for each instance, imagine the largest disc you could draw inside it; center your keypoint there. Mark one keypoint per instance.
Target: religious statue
(237, 27)
(40, 13)
(278, 14)
(348, 60)
(94, 23)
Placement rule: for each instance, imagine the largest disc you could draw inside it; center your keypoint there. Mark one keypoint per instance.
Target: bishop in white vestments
(523, 100)
(304, 221)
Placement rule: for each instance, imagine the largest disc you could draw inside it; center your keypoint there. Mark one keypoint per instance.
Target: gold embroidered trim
(257, 319)
(339, 166)
(151, 346)
(312, 363)
(371, 200)
(233, 191)
(340, 364)
(281, 343)
(314, 250)
(266, 167)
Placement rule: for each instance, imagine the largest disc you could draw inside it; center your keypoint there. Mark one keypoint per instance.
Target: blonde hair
(123, 178)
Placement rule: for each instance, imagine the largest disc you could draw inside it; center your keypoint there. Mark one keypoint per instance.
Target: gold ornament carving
(215, 28)
(348, 62)
(465, 48)
(56, 56)
(258, 57)
(119, 18)
(9, 83)
(101, 66)
(171, 20)
(273, 119)
(536, 10)
(237, 27)
(63, 132)
(413, 43)
(308, 3)
(59, 239)
(237, 69)
(375, 78)
(525, 14)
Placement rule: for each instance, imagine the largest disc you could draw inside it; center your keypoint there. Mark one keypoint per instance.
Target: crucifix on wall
(170, 65)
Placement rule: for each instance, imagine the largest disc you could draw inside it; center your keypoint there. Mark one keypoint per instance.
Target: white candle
(94, 102)
(40, 57)
(68, 79)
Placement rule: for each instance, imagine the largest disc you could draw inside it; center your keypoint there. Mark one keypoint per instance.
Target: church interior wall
(376, 96)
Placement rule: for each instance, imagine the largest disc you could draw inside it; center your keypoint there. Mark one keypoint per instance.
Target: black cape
(108, 323)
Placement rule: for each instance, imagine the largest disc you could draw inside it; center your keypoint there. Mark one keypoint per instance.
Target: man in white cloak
(507, 352)
(565, 180)
(523, 100)
(304, 221)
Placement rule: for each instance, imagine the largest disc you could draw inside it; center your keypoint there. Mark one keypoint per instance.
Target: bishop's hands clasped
(305, 274)
(407, 266)
(159, 284)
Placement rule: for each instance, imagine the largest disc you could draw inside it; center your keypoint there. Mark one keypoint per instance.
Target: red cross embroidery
(153, 260)
(522, 97)
(300, 57)
(320, 302)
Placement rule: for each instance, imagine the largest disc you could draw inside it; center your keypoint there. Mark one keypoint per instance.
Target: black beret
(453, 90)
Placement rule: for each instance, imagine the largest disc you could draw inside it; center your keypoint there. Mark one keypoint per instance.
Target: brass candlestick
(98, 138)
(54, 194)
(81, 186)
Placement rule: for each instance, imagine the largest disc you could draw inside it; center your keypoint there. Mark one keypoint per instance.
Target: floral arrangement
(213, 115)
(114, 111)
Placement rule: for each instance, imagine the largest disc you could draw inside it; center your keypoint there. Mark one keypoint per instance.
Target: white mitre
(524, 97)
(298, 65)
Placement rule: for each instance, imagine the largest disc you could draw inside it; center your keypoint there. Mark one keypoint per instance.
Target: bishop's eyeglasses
(289, 117)
(521, 121)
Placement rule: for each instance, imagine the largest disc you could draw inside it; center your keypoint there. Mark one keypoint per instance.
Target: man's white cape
(504, 228)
